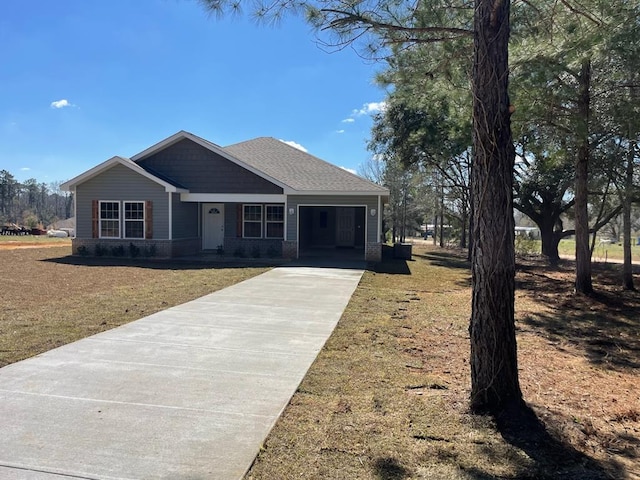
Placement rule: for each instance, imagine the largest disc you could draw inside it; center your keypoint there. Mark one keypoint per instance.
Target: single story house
(185, 195)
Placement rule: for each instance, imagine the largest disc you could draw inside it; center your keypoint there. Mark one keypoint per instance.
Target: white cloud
(350, 170)
(295, 145)
(367, 109)
(370, 108)
(339, 131)
(25, 169)
(61, 103)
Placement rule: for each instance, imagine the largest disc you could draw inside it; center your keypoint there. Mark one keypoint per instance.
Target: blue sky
(84, 80)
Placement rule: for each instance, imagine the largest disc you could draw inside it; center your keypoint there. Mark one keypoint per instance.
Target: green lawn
(567, 248)
(601, 252)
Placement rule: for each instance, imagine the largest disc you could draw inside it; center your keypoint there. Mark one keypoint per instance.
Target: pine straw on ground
(387, 396)
(48, 298)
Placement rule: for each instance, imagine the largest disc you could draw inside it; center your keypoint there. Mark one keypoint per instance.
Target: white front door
(344, 226)
(212, 226)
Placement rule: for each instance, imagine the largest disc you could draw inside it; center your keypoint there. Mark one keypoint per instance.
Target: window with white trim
(274, 221)
(252, 221)
(133, 219)
(109, 219)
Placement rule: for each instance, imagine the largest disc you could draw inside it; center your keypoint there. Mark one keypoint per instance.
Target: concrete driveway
(187, 393)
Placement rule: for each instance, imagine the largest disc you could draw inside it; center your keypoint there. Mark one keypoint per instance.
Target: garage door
(332, 230)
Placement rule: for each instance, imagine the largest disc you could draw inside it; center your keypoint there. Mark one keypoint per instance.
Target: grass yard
(31, 241)
(49, 299)
(602, 252)
(387, 396)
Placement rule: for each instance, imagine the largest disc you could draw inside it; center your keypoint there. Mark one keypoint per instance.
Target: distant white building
(531, 232)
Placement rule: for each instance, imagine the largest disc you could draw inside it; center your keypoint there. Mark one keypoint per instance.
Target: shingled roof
(299, 170)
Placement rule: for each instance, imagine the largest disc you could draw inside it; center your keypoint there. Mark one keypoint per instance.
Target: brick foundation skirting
(137, 248)
(373, 252)
(289, 249)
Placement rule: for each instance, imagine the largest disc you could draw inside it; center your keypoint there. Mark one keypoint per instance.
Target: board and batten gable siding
(370, 201)
(121, 183)
(203, 171)
(185, 218)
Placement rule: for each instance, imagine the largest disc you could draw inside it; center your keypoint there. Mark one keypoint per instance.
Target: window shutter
(94, 218)
(239, 220)
(148, 220)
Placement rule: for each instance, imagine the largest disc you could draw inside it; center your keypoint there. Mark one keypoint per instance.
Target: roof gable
(168, 185)
(182, 135)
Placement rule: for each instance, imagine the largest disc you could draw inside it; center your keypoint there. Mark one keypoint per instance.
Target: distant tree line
(32, 203)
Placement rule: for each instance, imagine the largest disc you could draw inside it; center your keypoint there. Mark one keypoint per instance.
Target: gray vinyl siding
(185, 218)
(203, 171)
(121, 183)
(230, 220)
(368, 201)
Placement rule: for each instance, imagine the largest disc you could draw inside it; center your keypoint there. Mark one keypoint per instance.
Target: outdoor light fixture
(373, 212)
(292, 211)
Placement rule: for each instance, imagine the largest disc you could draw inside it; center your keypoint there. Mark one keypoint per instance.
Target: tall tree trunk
(463, 231)
(550, 241)
(441, 216)
(494, 366)
(435, 228)
(627, 267)
(583, 253)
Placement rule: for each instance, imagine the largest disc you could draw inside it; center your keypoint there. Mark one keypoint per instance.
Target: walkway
(187, 393)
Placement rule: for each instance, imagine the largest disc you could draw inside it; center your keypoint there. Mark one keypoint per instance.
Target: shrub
(255, 251)
(117, 251)
(273, 252)
(101, 250)
(150, 250)
(525, 245)
(83, 251)
(239, 252)
(134, 251)
(220, 250)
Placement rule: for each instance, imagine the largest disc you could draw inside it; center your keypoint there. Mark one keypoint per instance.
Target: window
(275, 221)
(252, 221)
(109, 219)
(122, 219)
(133, 219)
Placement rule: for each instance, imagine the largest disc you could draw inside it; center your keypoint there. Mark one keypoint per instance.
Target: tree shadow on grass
(446, 259)
(388, 468)
(166, 264)
(605, 325)
(552, 458)
(390, 264)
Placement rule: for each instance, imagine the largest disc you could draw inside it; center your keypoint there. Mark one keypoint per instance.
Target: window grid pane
(252, 221)
(134, 210)
(253, 213)
(110, 219)
(275, 213)
(134, 229)
(275, 230)
(109, 210)
(110, 228)
(253, 229)
(274, 221)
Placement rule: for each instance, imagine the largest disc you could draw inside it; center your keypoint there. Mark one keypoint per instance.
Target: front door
(344, 226)
(212, 226)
